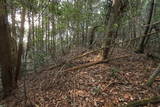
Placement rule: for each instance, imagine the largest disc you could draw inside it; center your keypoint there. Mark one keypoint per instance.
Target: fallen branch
(155, 23)
(85, 54)
(74, 58)
(93, 63)
(153, 100)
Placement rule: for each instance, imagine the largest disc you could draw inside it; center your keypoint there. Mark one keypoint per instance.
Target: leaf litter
(105, 85)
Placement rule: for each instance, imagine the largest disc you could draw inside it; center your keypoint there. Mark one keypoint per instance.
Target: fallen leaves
(94, 86)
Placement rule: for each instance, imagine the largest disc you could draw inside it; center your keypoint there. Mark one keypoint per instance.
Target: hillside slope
(104, 85)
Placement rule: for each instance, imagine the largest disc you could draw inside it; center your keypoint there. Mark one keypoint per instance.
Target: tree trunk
(112, 26)
(20, 48)
(13, 16)
(8, 81)
(143, 41)
(53, 51)
(92, 36)
(33, 31)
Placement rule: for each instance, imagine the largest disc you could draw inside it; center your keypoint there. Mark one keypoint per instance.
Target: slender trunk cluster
(147, 29)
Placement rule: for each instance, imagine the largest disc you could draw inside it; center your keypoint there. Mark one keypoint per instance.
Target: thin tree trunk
(13, 15)
(42, 44)
(20, 48)
(92, 36)
(53, 51)
(33, 31)
(62, 44)
(29, 35)
(147, 29)
(48, 34)
(86, 32)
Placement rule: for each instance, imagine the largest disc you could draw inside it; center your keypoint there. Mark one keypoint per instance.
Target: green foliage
(114, 72)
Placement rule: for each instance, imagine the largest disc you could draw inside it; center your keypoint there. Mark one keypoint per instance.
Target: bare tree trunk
(29, 35)
(86, 32)
(92, 36)
(53, 30)
(48, 34)
(116, 11)
(20, 48)
(13, 15)
(33, 31)
(42, 26)
(62, 44)
(8, 81)
(143, 41)
(53, 51)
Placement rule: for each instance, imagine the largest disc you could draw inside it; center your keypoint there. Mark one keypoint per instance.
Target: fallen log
(153, 100)
(93, 63)
(153, 76)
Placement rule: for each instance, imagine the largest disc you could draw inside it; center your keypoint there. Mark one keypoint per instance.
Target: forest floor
(104, 85)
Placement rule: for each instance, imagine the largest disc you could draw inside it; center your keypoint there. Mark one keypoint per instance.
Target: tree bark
(112, 25)
(53, 51)
(20, 48)
(92, 36)
(13, 16)
(147, 29)
(8, 81)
